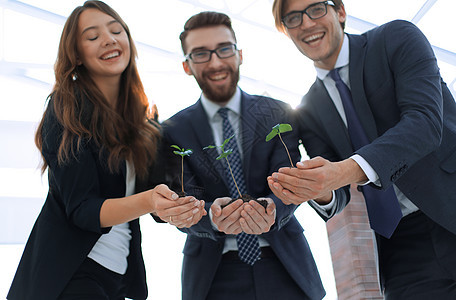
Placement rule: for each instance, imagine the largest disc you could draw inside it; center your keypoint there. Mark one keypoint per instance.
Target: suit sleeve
(75, 183)
(412, 86)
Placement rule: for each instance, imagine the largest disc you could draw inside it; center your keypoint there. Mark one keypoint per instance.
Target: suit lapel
(248, 125)
(203, 132)
(356, 65)
(331, 120)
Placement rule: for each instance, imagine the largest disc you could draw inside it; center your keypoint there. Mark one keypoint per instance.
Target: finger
(222, 201)
(189, 222)
(185, 200)
(297, 184)
(182, 212)
(229, 228)
(234, 228)
(277, 189)
(245, 226)
(311, 163)
(287, 196)
(184, 217)
(293, 198)
(216, 210)
(270, 213)
(216, 206)
(256, 217)
(232, 208)
(291, 176)
(271, 207)
(164, 190)
(225, 222)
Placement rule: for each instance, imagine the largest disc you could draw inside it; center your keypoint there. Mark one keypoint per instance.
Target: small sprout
(224, 155)
(277, 130)
(182, 152)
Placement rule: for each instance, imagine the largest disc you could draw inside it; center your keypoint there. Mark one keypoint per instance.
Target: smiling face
(103, 45)
(320, 39)
(218, 77)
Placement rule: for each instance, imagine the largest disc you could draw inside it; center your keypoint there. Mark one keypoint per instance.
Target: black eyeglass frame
(189, 56)
(302, 12)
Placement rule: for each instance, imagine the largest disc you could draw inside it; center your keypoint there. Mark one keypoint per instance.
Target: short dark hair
(205, 19)
(277, 12)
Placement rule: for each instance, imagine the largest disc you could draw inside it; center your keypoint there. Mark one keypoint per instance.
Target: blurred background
(29, 36)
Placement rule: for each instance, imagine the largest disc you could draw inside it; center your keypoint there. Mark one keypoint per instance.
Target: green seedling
(277, 130)
(224, 155)
(182, 152)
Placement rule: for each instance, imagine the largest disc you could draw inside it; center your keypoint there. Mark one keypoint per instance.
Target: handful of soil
(247, 198)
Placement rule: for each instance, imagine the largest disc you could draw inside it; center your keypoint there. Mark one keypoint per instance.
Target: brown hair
(205, 19)
(84, 112)
(277, 12)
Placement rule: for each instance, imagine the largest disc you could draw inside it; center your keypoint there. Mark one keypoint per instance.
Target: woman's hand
(180, 212)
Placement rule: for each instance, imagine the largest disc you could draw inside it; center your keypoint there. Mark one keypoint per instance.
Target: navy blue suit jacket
(407, 111)
(204, 178)
(68, 225)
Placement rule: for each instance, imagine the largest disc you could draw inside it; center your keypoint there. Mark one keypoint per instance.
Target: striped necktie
(248, 245)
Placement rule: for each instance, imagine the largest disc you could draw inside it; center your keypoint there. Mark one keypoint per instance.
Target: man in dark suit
(212, 266)
(407, 117)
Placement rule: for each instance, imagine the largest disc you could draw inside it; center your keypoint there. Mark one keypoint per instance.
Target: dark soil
(247, 198)
(181, 194)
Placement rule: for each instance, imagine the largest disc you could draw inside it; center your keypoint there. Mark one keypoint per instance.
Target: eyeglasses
(313, 11)
(202, 56)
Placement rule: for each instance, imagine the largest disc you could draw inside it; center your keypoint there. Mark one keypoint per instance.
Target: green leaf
(225, 154)
(226, 141)
(209, 147)
(187, 152)
(182, 152)
(285, 128)
(277, 129)
(271, 135)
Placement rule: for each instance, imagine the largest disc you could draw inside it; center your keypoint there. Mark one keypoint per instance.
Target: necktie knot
(223, 112)
(334, 74)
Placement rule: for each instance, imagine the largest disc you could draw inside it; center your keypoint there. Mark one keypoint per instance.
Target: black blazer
(68, 225)
(407, 111)
(204, 178)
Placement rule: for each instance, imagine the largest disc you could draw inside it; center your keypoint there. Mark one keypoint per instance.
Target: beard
(219, 94)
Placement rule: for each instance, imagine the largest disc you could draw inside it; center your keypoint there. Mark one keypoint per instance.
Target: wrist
(149, 202)
(351, 172)
(325, 199)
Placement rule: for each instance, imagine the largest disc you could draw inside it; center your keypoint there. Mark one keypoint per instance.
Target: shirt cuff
(325, 209)
(372, 176)
(212, 223)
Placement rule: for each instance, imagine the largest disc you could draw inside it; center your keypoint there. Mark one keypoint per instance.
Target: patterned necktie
(382, 206)
(248, 245)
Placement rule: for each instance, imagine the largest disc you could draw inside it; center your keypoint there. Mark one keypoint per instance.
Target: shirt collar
(342, 59)
(211, 108)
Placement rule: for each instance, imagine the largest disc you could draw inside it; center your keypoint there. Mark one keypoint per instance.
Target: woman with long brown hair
(96, 137)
